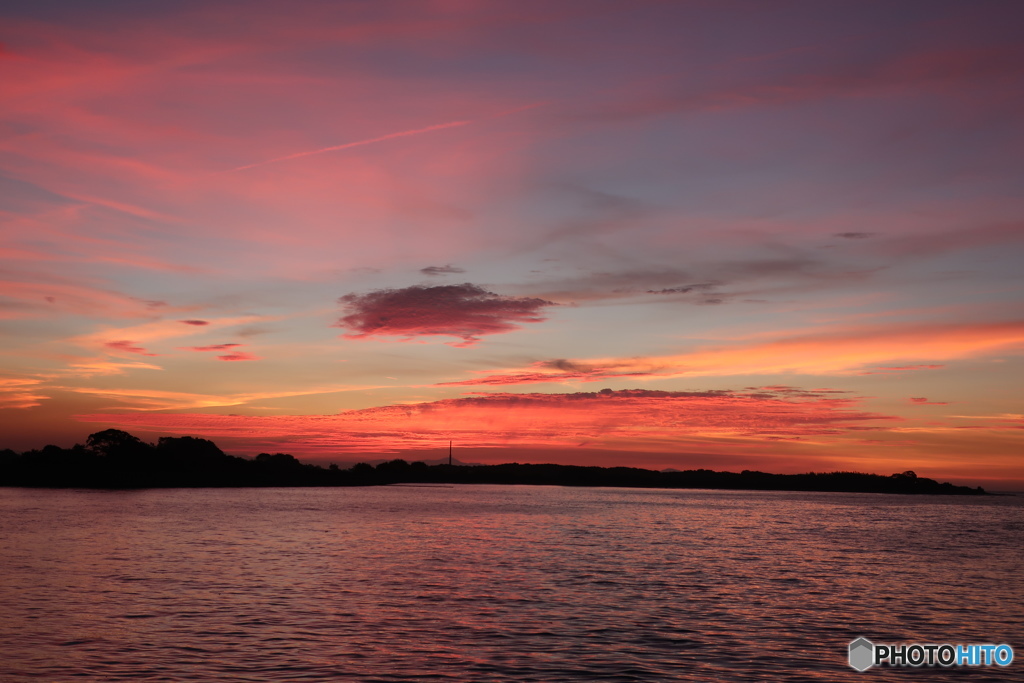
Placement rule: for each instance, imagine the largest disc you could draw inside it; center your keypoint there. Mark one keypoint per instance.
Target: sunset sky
(785, 236)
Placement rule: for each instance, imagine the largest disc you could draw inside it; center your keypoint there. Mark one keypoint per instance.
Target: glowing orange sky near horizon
(784, 238)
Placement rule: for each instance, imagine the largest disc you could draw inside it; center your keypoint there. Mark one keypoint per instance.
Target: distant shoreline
(940, 489)
(113, 459)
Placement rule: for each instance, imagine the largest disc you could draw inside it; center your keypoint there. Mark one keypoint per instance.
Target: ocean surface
(498, 583)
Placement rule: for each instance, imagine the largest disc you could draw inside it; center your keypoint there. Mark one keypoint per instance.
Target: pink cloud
(128, 347)
(935, 70)
(233, 356)
(633, 418)
(46, 293)
(194, 322)
(916, 138)
(164, 166)
(241, 355)
(560, 370)
(466, 311)
(212, 347)
(922, 401)
(348, 145)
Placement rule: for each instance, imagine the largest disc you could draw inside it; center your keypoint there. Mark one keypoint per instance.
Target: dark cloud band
(466, 311)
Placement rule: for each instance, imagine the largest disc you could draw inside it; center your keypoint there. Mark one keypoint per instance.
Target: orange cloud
(841, 352)
(901, 368)
(20, 393)
(117, 338)
(626, 419)
(88, 367)
(154, 399)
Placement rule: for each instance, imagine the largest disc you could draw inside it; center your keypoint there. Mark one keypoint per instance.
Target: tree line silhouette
(116, 459)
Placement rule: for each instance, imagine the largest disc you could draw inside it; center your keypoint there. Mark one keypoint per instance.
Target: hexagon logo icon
(862, 654)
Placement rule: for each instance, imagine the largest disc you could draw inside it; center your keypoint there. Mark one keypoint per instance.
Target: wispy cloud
(825, 196)
(135, 338)
(360, 143)
(211, 347)
(232, 356)
(441, 270)
(20, 393)
(156, 399)
(893, 369)
(89, 367)
(644, 419)
(836, 352)
(238, 355)
(128, 346)
(46, 294)
(916, 71)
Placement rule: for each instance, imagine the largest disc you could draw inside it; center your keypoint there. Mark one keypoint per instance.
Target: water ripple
(487, 583)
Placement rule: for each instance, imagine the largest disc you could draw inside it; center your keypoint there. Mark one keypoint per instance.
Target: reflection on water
(495, 583)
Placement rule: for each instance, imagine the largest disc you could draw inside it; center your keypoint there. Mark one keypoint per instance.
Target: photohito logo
(864, 654)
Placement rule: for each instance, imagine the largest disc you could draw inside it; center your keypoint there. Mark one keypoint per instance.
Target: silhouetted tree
(393, 465)
(278, 460)
(114, 443)
(188, 448)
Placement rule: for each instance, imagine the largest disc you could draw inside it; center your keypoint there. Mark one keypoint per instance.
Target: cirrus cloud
(128, 346)
(230, 348)
(238, 355)
(841, 351)
(211, 347)
(20, 392)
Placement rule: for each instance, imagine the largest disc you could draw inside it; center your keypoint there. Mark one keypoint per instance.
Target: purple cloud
(466, 311)
(441, 270)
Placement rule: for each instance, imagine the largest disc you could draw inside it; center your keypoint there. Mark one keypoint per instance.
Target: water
(495, 583)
